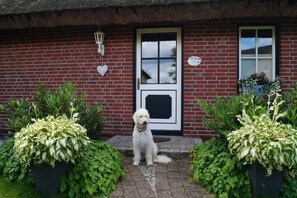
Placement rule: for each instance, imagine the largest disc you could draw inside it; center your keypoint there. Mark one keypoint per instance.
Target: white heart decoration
(102, 70)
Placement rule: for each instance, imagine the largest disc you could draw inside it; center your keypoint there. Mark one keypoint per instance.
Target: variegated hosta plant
(50, 139)
(264, 138)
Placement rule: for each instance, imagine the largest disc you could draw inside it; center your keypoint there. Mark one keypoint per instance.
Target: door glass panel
(167, 49)
(265, 43)
(149, 49)
(158, 55)
(149, 71)
(168, 71)
(248, 43)
(265, 65)
(248, 67)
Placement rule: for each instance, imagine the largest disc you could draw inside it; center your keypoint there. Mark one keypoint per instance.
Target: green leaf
(244, 152)
(52, 150)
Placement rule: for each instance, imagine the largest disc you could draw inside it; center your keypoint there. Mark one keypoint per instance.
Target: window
(158, 58)
(257, 51)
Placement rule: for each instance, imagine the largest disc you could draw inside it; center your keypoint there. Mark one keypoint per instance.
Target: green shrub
(290, 105)
(50, 139)
(223, 112)
(20, 112)
(289, 187)
(219, 171)
(10, 168)
(58, 102)
(96, 174)
(91, 119)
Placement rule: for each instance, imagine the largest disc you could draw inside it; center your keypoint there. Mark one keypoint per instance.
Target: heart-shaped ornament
(102, 69)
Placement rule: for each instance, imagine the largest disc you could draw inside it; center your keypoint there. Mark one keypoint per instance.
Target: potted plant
(265, 143)
(258, 83)
(47, 146)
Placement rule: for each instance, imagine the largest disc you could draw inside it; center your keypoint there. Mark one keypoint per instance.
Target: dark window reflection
(158, 54)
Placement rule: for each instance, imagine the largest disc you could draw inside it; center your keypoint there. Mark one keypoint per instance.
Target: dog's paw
(136, 163)
(150, 164)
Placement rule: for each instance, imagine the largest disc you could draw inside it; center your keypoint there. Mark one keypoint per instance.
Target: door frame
(179, 88)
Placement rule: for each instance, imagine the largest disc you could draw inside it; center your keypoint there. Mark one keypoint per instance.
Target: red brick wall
(288, 53)
(55, 56)
(69, 54)
(216, 44)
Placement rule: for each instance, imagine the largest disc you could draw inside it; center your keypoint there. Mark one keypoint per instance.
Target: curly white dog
(143, 143)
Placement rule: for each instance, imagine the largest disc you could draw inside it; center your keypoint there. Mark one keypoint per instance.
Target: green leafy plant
(44, 102)
(50, 139)
(263, 138)
(10, 168)
(20, 112)
(290, 105)
(289, 187)
(96, 174)
(91, 119)
(219, 171)
(222, 111)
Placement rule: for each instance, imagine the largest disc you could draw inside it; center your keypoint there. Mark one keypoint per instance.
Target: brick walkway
(159, 181)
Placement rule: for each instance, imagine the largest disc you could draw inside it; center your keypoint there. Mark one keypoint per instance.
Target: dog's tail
(162, 159)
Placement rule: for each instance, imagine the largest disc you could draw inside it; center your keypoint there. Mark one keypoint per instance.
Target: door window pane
(168, 71)
(149, 71)
(158, 55)
(149, 49)
(167, 49)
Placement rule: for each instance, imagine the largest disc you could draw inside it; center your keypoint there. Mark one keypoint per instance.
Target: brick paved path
(159, 181)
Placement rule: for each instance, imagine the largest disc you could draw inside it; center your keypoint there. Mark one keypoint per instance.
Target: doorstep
(171, 145)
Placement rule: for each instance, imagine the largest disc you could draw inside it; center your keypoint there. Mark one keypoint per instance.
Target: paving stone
(160, 180)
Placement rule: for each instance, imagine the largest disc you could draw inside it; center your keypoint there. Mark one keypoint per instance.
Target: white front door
(158, 76)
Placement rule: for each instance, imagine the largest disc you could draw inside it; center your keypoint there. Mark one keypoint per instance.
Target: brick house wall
(69, 54)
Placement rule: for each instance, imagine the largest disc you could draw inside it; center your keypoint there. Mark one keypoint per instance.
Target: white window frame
(256, 55)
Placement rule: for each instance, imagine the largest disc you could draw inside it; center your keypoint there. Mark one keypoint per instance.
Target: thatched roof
(52, 13)
(29, 6)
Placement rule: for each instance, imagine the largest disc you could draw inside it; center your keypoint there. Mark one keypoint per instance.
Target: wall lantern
(99, 39)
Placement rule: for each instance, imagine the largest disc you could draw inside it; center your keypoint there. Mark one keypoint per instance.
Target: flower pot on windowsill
(262, 185)
(258, 89)
(47, 178)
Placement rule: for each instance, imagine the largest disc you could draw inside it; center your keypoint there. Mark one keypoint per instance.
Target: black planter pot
(47, 179)
(262, 185)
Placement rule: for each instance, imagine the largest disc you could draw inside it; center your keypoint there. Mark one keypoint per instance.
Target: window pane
(265, 43)
(265, 65)
(149, 49)
(149, 71)
(168, 71)
(248, 43)
(248, 67)
(167, 49)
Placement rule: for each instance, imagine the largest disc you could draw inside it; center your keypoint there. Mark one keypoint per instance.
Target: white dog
(143, 143)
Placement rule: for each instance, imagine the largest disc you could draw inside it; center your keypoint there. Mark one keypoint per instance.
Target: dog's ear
(135, 117)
